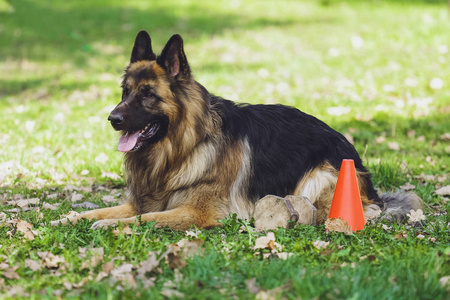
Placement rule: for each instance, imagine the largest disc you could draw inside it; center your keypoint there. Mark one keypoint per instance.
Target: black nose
(115, 119)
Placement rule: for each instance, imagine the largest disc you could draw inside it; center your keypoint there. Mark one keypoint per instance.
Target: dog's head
(149, 99)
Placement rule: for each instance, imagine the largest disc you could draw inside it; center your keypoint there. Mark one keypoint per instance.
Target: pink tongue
(128, 141)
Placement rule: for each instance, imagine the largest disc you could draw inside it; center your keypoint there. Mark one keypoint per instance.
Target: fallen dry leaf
(76, 197)
(445, 281)
(169, 293)
(445, 136)
(51, 261)
(338, 224)
(46, 205)
(24, 203)
(108, 267)
(10, 273)
(393, 146)
(408, 186)
(271, 294)
(425, 178)
(95, 260)
(267, 242)
(110, 175)
(443, 191)
(400, 235)
(380, 139)
(123, 274)
(109, 199)
(126, 230)
(320, 244)
(34, 265)
(3, 217)
(70, 188)
(251, 285)
(177, 253)
(415, 216)
(85, 205)
(191, 233)
(25, 228)
(148, 265)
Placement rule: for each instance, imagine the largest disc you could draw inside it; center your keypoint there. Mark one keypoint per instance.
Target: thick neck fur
(150, 169)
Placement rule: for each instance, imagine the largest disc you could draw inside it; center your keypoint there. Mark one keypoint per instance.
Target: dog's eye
(149, 95)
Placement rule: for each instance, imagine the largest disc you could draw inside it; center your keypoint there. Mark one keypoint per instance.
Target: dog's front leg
(180, 218)
(117, 212)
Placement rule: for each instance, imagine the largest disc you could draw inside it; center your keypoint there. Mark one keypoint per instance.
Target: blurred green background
(377, 71)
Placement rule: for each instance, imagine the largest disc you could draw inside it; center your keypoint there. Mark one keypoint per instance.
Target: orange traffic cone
(347, 200)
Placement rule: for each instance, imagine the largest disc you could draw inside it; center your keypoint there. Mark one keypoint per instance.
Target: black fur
(285, 143)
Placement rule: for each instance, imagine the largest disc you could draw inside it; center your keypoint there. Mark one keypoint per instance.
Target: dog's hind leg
(319, 184)
(117, 212)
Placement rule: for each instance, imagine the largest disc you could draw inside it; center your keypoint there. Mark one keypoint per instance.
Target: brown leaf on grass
(177, 253)
(126, 230)
(271, 294)
(111, 175)
(380, 139)
(267, 242)
(106, 270)
(321, 244)
(443, 191)
(423, 177)
(169, 293)
(339, 225)
(46, 205)
(10, 273)
(393, 146)
(3, 217)
(148, 265)
(445, 282)
(400, 235)
(25, 228)
(34, 265)
(24, 203)
(123, 274)
(415, 216)
(95, 260)
(51, 261)
(85, 205)
(75, 197)
(107, 199)
(70, 188)
(251, 285)
(408, 186)
(445, 136)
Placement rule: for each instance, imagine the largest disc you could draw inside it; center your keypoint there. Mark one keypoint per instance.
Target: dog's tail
(397, 205)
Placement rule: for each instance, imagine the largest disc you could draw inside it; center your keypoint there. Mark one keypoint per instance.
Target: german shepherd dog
(192, 158)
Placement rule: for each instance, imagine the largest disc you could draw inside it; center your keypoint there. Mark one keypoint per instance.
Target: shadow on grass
(59, 30)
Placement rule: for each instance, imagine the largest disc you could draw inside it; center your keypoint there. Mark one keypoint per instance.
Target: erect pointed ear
(142, 49)
(173, 59)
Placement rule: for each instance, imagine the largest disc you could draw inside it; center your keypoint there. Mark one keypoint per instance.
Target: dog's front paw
(71, 217)
(105, 224)
(57, 222)
(63, 221)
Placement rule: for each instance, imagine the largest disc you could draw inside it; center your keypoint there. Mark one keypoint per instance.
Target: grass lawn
(377, 71)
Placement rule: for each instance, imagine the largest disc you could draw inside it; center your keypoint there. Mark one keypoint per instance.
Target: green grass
(60, 65)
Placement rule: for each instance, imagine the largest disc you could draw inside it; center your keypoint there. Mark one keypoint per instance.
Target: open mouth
(132, 141)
